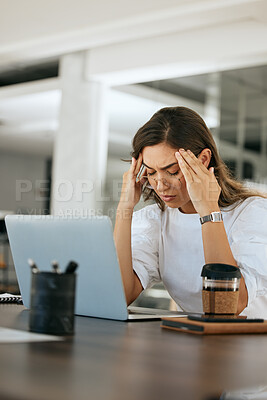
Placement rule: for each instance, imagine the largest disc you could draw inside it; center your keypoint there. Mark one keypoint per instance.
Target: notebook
(89, 242)
(213, 328)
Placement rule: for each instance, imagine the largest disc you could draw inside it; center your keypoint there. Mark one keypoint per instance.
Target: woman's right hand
(131, 190)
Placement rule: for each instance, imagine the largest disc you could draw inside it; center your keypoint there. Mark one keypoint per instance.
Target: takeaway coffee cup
(52, 303)
(220, 289)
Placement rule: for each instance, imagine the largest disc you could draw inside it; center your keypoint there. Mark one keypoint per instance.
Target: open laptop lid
(88, 241)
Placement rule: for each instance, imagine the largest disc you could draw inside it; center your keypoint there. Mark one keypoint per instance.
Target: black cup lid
(220, 271)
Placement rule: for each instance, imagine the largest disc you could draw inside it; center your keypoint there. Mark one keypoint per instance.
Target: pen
(55, 267)
(33, 266)
(71, 267)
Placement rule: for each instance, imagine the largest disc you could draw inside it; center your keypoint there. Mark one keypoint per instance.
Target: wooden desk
(111, 360)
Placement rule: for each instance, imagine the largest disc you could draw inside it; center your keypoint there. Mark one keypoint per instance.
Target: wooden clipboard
(212, 328)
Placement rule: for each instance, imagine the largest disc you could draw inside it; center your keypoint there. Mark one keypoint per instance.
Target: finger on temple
(185, 168)
(133, 165)
(197, 162)
(188, 164)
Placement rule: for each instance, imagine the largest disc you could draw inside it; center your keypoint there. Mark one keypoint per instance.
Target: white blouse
(167, 246)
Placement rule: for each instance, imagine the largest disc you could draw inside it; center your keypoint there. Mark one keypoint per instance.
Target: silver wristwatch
(212, 217)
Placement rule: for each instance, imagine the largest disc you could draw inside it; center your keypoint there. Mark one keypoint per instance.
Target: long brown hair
(181, 127)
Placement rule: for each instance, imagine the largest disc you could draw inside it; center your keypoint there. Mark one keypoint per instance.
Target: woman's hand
(131, 190)
(201, 183)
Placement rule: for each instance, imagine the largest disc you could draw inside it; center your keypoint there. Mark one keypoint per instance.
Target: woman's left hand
(201, 183)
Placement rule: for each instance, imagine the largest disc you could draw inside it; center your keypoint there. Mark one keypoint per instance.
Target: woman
(166, 241)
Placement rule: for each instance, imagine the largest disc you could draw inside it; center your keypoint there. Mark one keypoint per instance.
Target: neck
(188, 208)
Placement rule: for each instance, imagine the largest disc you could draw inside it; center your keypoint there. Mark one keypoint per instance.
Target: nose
(161, 184)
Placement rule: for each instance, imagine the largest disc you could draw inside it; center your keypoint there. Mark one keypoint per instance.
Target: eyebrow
(163, 168)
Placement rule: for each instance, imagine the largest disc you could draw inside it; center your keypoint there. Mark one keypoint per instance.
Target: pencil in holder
(52, 303)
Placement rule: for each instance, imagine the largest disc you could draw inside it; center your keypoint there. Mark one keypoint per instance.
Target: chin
(179, 204)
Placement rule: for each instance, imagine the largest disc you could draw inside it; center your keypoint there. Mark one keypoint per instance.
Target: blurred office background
(78, 79)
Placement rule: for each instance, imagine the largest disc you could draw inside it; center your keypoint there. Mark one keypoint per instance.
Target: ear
(205, 157)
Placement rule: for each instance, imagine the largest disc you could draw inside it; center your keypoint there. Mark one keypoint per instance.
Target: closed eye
(169, 173)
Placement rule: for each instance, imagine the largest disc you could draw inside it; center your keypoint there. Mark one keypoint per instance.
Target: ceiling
(163, 46)
(53, 28)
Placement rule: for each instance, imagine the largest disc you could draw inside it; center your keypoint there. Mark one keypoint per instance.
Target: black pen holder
(52, 303)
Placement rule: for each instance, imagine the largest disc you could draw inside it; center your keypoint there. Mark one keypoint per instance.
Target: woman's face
(165, 176)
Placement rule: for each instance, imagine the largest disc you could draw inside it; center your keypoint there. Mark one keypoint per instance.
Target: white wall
(21, 178)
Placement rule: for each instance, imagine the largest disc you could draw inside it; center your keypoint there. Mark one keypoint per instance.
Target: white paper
(10, 296)
(16, 336)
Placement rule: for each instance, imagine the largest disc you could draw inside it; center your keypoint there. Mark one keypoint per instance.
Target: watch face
(213, 217)
(216, 217)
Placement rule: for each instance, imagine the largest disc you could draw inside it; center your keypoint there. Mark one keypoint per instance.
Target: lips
(167, 198)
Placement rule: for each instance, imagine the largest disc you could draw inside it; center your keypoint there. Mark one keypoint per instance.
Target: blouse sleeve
(249, 247)
(145, 245)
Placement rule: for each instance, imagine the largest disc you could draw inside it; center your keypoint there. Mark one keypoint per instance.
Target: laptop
(89, 242)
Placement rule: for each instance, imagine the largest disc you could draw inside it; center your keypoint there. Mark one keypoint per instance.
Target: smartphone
(220, 318)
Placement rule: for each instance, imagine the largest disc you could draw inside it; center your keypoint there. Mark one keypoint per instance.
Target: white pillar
(241, 130)
(81, 143)
(262, 171)
(212, 107)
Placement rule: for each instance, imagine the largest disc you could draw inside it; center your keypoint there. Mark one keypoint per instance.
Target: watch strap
(212, 217)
